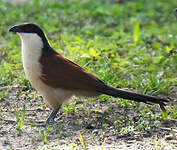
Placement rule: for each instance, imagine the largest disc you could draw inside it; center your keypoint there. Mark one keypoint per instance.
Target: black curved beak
(15, 29)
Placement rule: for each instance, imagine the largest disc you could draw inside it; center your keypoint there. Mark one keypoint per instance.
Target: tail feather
(115, 92)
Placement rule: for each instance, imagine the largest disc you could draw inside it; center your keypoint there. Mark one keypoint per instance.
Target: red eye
(26, 28)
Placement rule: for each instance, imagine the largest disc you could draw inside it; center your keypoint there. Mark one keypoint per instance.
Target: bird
(58, 79)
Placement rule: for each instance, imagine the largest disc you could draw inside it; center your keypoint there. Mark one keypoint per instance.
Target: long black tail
(115, 92)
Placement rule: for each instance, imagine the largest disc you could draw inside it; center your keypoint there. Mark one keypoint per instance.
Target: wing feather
(60, 72)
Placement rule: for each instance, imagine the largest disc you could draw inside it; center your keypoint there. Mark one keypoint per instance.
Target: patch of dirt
(101, 123)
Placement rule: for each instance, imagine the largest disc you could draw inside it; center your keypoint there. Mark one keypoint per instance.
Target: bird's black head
(26, 28)
(29, 28)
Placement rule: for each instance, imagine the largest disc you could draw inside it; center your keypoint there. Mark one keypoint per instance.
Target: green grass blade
(164, 113)
(82, 141)
(136, 33)
(23, 117)
(16, 114)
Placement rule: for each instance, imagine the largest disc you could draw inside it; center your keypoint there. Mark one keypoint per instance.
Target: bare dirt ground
(87, 118)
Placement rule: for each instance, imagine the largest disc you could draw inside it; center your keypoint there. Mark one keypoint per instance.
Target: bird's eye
(26, 28)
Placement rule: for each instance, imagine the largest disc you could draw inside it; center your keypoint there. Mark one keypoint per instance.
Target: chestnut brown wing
(59, 72)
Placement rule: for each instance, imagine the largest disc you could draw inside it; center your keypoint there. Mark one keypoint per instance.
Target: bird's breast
(32, 66)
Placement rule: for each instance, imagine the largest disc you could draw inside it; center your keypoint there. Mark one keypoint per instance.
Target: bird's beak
(15, 29)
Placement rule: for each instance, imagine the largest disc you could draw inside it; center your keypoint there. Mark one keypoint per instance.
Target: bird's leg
(52, 116)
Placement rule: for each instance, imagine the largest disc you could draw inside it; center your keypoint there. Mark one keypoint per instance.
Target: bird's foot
(50, 119)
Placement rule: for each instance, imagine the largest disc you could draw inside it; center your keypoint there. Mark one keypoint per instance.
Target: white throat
(31, 45)
(31, 52)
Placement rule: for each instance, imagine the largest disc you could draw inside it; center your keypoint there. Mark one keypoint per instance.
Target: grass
(82, 141)
(127, 45)
(103, 37)
(19, 121)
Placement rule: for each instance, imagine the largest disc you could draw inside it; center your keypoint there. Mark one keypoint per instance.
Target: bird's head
(29, 30)
(26, 28)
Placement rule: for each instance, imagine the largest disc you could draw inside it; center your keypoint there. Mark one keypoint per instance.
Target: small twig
(29, 110)
(10, 87)
(7, 120)
(173, 133)
(13, 122)
(169, 129)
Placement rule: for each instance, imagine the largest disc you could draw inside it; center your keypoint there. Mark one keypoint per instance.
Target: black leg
(52, 116)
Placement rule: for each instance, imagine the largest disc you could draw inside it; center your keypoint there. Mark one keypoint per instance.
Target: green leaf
(23, 117)
(93, 53)
(164, 113)
(16, 113)
(47, 38)
(136, 33)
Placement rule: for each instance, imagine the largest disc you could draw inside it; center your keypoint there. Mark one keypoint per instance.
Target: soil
(94, 120)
